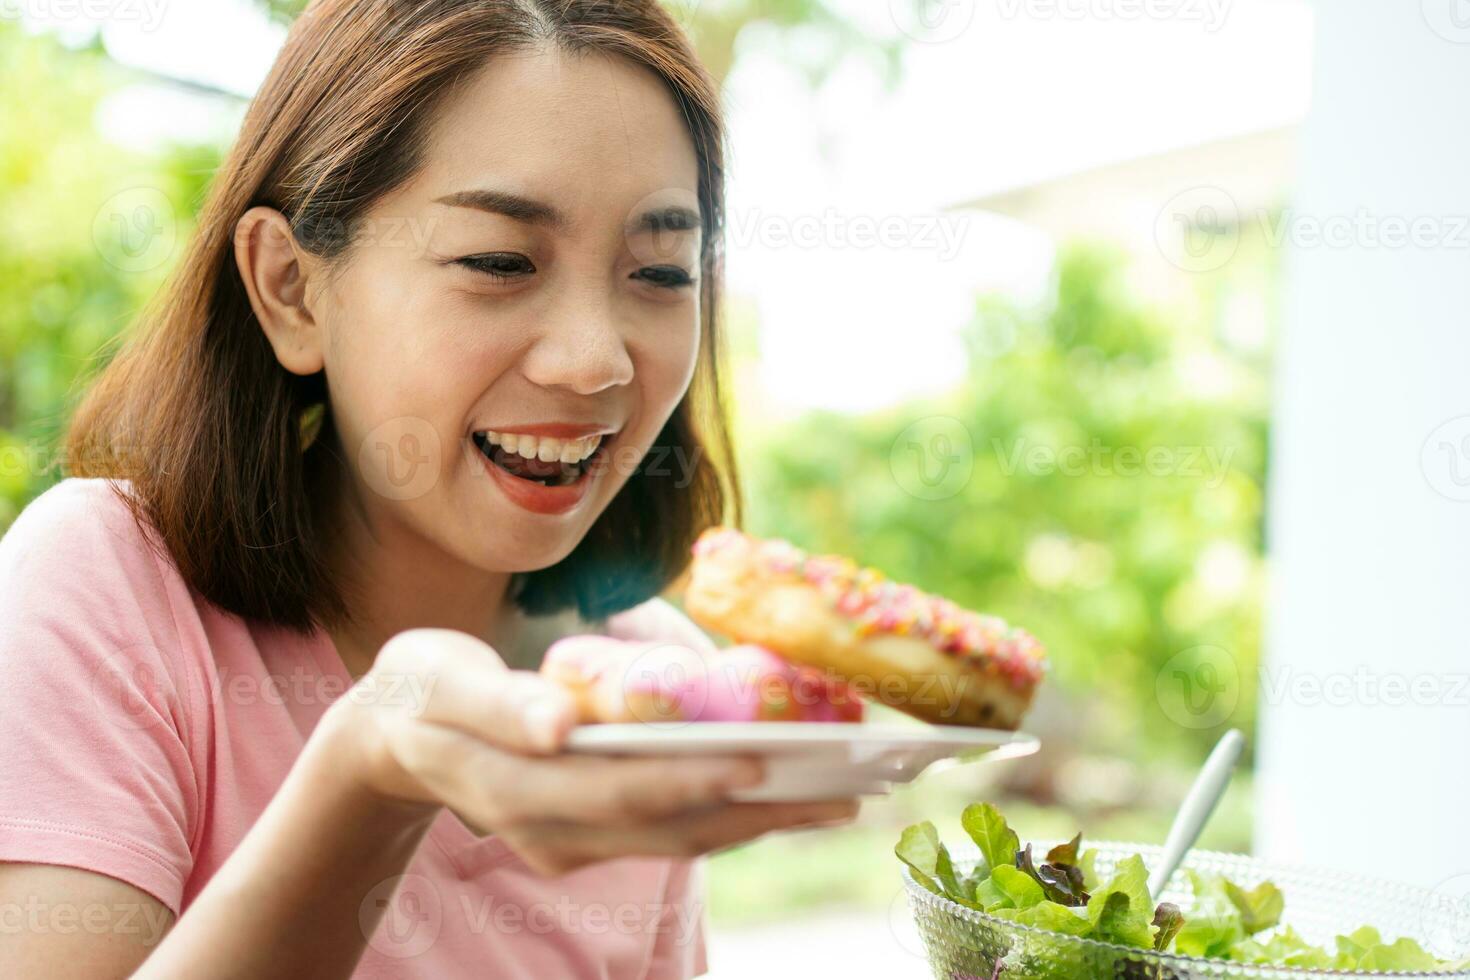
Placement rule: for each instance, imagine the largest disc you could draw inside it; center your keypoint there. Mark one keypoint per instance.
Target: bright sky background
(1002, 93)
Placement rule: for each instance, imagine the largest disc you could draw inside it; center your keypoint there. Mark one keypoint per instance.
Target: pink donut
(618, 681)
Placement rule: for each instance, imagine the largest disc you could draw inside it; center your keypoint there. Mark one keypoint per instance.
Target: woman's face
(533, 292)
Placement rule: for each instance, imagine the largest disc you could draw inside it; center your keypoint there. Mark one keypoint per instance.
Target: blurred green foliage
(87, 232)
(1098, 478)
(1123, 568)
(814, 35)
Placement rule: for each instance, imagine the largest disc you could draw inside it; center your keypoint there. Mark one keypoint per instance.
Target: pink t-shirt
(145, 729)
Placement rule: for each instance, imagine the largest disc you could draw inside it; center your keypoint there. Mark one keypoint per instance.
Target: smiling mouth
(549, 462)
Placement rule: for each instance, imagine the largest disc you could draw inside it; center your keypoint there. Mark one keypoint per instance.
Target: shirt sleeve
(679, 949)
(96, 772)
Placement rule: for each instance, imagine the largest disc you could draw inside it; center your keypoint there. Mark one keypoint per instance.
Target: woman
(390, 429)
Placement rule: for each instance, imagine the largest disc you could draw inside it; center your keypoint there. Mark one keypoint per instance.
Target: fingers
(470, 689)
(498, 788)
(555, 848)
(603, 790)
(658, 621)
(652, 682)
(627, 681)
(476, 741)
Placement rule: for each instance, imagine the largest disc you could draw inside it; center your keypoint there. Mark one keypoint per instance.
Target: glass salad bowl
(963, 943)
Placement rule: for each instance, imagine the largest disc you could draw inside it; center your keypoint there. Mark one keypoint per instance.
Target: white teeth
(547, 450)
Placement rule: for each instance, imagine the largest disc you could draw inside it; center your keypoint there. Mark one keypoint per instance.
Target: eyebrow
(673, 217)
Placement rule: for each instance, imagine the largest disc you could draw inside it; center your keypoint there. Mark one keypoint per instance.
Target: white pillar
(1369, 527)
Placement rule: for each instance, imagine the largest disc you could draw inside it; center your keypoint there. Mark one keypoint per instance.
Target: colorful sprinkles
(876, 604)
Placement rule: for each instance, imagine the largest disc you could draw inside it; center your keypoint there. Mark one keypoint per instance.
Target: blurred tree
(1098, 478)
(89, 231)
(822, 34)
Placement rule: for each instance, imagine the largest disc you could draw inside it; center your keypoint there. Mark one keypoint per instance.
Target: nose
(582, 344)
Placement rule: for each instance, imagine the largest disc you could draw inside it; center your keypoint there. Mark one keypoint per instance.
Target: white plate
(810, 760)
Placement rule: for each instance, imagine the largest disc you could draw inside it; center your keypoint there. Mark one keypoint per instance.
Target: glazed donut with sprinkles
(914, 651)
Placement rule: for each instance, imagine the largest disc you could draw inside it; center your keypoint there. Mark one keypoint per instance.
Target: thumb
(474, 692)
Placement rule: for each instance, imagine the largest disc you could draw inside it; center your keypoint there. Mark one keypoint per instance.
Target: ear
(276, 272)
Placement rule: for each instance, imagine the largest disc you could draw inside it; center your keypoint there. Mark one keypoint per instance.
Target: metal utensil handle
(1195, 811)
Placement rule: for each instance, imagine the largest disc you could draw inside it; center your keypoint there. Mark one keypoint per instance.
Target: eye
(664, 276)
(501, 265)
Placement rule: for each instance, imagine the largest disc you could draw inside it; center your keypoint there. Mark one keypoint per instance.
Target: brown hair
(196, 412)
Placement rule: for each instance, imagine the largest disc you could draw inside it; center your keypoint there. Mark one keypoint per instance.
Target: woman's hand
(440, 720)
(657, 621)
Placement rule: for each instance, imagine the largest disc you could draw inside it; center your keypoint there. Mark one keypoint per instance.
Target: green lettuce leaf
(1214, 922)
(1088, 863)
(1122, 911)
(1404, 954)
(970, 882)
(953, 886)
(1260, 908)
(990, 832)
(921, 849)
(1352, 946)
(1050, 916)
(918, 847)
(1118, 921)
(1285, 948)
(1130, 877)
(989, 896)
(1019, 888)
